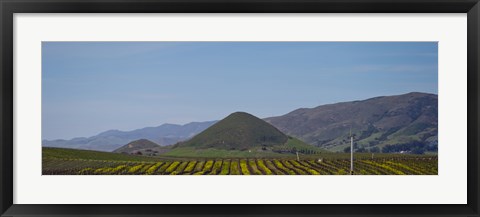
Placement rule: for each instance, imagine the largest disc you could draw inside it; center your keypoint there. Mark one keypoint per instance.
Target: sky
(91, 87)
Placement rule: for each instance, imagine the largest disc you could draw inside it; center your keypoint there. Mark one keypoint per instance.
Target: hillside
(375, 122)
(141, 147)
(163, 135)
(238, 131)
(241, 135)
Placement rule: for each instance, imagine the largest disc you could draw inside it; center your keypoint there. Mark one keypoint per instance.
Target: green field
(64, 153)
(57, 161)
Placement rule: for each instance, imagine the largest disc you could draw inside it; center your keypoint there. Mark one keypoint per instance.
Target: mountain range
(374, 123)
(165, 134)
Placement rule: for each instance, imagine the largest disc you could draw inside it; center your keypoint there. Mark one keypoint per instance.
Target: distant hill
(375, 122)
(141, 146)
(163, 135)
(241, 135)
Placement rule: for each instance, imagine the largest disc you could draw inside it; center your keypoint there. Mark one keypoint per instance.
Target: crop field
(381, 166)
(80, 162)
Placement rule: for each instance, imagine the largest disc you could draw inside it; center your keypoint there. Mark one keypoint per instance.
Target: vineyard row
(409, 166)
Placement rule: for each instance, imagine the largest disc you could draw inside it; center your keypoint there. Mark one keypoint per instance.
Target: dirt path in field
(306, 165)
(239, 168)
(219, 170)
(294, 168)
(259, 169)
(321, 169)
(300, 168)
(278, 169)
(228, 168)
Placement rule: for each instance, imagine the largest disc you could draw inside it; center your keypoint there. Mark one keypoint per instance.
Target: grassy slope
(376, 122)
(63, 153)
(255, 152)
(187, 152)
(220, 153)
(300, 145)
(238, 131)
(240, 135)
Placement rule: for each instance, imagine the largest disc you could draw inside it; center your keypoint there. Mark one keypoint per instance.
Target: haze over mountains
(375, 122)
(165, 134)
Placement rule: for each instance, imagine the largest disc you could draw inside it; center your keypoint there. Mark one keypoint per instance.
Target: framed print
(200, 108)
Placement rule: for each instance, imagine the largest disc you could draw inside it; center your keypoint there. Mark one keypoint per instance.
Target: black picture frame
(9, 7)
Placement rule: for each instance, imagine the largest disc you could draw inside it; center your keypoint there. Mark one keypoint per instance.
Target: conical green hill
(238, 131)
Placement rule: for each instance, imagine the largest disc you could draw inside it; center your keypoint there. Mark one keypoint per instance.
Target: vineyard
(378, 166)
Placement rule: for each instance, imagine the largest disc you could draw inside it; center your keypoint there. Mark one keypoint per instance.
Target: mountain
(388, 120)
(238, 131)
(165, 134)
(241, 135)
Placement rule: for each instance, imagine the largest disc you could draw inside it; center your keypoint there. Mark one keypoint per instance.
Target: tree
(361, 150)
(375, 150)
(417, 150)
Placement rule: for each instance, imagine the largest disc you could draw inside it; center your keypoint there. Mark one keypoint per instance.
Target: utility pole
(351, 152)
(298, 158)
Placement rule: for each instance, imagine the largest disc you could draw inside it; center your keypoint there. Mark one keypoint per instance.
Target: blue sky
(90, 87)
